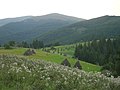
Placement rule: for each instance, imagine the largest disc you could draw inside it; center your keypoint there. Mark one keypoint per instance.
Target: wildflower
(3, 65)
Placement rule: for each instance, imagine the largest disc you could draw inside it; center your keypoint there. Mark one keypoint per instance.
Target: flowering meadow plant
(19, 73)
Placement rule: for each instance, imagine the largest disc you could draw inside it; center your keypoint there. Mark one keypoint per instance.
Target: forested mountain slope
(35, 26)
(97, 28)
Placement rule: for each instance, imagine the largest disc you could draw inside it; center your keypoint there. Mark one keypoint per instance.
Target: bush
(7, 46)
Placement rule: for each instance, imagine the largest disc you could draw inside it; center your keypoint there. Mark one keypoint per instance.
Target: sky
(86, 9)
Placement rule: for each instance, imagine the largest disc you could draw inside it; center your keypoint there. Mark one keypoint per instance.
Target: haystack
(29, 52)
(77, 65)
(66, 63)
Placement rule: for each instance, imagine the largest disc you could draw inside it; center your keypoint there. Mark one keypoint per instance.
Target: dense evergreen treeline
(36, 44)
(104, 52)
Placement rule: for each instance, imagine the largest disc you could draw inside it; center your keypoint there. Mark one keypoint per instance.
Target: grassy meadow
(52, 57)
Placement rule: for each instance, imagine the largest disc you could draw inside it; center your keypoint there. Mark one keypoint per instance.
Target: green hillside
(19, 73)
(56, 58)
(97, 28)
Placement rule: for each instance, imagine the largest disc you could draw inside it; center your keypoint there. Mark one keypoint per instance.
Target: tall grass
(18, 73)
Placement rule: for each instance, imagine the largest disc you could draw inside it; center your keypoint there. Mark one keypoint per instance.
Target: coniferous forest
(104, 52)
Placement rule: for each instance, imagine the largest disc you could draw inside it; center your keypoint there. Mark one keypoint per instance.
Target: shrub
(7, 46)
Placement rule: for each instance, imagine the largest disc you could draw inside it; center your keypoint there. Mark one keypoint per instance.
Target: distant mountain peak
(58, 16)
(54, 14)
(30, 28)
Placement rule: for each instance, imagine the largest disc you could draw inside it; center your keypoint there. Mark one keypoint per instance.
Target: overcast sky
(79, 8)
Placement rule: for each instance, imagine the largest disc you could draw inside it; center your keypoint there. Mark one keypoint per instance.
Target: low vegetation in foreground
(52, 57)
(19, 73)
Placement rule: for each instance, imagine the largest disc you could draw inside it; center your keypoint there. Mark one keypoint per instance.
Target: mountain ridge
(97, 28)
(16, 19)
(30, 28)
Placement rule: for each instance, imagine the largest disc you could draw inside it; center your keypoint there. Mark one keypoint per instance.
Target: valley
(60, 52)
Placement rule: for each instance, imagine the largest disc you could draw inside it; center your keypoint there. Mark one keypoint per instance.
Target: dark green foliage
(7, 46)
(57, 44)
(52, 44)
(104, 52)
(24, 44)
(37, 44)
(12, 43)
(117, 66)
